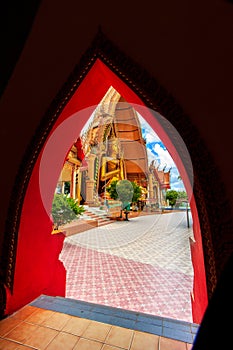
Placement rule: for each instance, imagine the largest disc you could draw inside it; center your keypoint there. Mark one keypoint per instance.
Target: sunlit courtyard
(143, 265)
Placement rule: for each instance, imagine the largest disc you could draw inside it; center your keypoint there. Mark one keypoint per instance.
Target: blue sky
(157, 151)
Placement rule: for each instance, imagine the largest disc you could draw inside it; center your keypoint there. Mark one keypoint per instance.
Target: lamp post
(187, 214)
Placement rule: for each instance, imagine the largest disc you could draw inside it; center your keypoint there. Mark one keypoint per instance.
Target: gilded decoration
(115, 140)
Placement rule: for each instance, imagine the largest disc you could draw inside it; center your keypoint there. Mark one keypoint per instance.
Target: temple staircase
(96, 214)
(92, 217)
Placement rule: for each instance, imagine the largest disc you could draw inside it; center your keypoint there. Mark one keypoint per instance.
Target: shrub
(64, 210)
(77, 209)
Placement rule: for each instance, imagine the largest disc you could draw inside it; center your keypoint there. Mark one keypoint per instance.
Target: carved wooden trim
(215, 220)
(2, 300)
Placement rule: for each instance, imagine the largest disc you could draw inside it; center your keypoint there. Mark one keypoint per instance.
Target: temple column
(90, 183)
(73, 180)
(78, 187)
(91, 168)
(63, 187)
(151, 187)
(157, 193)
(90, 191)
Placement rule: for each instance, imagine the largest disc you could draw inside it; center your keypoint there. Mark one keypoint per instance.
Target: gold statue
(112, 163)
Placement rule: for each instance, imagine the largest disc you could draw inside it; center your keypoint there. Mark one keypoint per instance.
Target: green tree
(124, 190)
(182, 195)
(171, 195)
(137, 192)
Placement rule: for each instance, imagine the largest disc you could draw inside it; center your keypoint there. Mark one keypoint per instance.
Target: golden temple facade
(112, 148)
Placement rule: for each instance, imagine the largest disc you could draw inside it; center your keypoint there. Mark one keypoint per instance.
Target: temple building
(111, 148)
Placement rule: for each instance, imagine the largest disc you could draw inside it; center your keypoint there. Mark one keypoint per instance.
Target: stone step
(99, 215)
(103, 222)
(169, 328)
(81, 226)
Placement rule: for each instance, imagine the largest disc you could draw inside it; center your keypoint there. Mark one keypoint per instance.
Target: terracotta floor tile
(10, 345)
(110, 347)
(97, 331)
(76, 325)
(8, 324)
(119, 336)
(87, 344)
(56, 321)
(39, 316)
(25, 312)
(145, 341)
(168, 344)
(63, 341)
(22, 332)
(41, 337)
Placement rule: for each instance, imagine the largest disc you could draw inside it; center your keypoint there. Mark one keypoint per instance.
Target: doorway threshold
(162, 326)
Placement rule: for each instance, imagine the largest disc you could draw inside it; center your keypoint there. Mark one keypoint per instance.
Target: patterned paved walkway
(141, 265)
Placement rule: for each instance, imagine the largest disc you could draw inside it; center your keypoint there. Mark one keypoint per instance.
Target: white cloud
(163, 156)
(151, 156)
(147, 132)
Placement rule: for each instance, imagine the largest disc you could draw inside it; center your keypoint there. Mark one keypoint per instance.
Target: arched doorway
(26, 264)
(125, 265)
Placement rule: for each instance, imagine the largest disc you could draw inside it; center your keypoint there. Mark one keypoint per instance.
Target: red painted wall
(38, 270)
(199, 297)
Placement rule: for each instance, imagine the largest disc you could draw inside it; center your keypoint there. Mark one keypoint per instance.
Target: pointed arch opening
(143, 275)
(36, 268)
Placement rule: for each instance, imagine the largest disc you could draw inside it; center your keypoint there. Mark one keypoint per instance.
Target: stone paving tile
(160, 239)
(142, 265)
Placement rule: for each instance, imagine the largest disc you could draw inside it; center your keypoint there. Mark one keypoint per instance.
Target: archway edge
(149, 91)
(78, 103)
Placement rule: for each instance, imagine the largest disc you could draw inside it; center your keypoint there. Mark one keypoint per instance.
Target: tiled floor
(36, 328)
(141, 265)
(170, 328)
